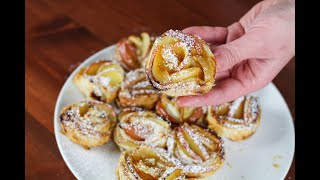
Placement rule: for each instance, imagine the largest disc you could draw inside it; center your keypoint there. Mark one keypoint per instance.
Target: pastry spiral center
(172, 56)
(177, 61)
(181, 64)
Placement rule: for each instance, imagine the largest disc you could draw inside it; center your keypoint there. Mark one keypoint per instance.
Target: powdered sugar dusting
(189, 158)
(139, 129)
(167, 173)
(234, 123)
(251, 111)
(145, 127)
(104, 81)
(90, 125)
(180, 51)
(196, 139)
(128, 161)
(185, 87)
(141, 84)
(170, 142)
(185, 144)
(166, 156)
(136, 83)
(185, 39)
(234, 106)
(171, 60)
(132, 76)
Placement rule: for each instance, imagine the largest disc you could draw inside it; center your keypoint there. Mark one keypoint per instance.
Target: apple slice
(112, 78)
(207, 138)
(147, 171)
(130, 130)
(163, 112)
(158, 69)
(110, 67)
(172, 174)
(186, 74)
(184, 145)
(194, 142)
(146, 44)
(221, 110)
(128, 54)
(93, 68)
(192, 114)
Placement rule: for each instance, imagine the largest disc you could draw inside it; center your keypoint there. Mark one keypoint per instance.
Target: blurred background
(60, 34)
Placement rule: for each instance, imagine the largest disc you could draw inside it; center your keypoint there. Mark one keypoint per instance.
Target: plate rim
(56, 110)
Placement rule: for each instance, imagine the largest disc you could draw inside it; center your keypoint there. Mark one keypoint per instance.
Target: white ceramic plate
(266, 155)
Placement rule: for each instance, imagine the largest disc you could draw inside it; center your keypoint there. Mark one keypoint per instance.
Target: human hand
(249, 53)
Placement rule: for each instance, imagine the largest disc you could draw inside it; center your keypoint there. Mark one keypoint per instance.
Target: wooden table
(60, 34)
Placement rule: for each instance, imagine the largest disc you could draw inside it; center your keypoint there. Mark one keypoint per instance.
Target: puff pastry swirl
(236, 120)
(181, 64)
(132, 51)
(137, 126)
(200, 150)
(100, 80)
(149, 163)
(88, 123)
(136, 91)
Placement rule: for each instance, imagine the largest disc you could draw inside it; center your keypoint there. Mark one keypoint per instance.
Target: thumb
(247, 46)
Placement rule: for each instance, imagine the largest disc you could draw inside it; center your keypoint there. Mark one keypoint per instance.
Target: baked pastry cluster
(157, 138)
(192, 152)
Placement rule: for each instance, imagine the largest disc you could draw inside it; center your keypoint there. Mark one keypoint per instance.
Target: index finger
(215, 35)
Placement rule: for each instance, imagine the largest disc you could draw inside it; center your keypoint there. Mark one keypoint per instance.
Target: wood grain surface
(60, 34)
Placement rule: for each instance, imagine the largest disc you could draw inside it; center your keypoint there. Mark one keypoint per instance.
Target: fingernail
(216, 53)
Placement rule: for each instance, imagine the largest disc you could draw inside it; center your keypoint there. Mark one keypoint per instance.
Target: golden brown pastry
(168, 108)
(137, 126)
(88, 123)
(181, 64)
(136, 91)
(236, 120)
(148, 163)
(200, 150)
(132, 51)
(101, 80)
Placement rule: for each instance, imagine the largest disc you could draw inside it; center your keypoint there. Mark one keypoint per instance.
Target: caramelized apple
(168, 108)
(200, 150)
(147, 162)
(181, 64)
(236, 120)
(140, 127)
(101, 80)
(132, 51)
(136, 91)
